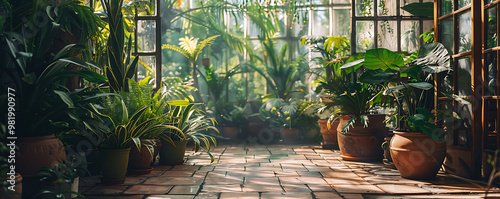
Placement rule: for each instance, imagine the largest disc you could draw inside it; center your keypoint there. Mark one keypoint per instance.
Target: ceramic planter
(140, 161)
(416, 155)
(173, 155)
(329, 135)
(230, 131)
(37, 152)
(113, 164)
(362, 144)
(17, 185)
(289, 134)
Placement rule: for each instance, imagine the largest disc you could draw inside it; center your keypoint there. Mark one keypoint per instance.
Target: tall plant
(191, 49)
(119, 68)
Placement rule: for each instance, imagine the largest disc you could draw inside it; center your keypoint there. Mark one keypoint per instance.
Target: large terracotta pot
(329, 135)
(416, 155)
(113, 164)
(172, 155)
(14, 187)
(140, 161)
(37, 152)
(359, 143)
(289, 134)
(230, 131)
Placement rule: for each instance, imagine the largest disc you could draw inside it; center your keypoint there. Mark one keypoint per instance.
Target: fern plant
(191, 49)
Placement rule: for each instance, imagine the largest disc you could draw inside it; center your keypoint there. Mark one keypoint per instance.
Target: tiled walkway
(278, 171)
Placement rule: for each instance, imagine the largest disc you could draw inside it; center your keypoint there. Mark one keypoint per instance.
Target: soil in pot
(362, 144)
(173, 155)
(416, 155)
(113, 164)
(37, 152)
(329, 135)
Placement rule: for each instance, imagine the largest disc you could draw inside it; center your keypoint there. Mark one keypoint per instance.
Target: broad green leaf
(376, 76)
(434, 58)
(382, 58)
(65, 98)
(420, 9)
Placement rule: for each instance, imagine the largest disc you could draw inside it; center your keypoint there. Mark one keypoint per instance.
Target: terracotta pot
(113, 164)
(329, 135)
(359, 143)
(14, 186)
(416, 155)
(172, 155)
(289, 134)
(140, 160)
(230, 131)
(37, 152)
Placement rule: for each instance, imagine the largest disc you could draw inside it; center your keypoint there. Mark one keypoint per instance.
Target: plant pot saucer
(140, 171)
(112, 182)
(171, 162)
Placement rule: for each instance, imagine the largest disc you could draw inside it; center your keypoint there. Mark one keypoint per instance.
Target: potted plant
(190, 122)
(360, 133)
(307, 120)
(11, 185)
(281, 115)
(59, 182)
(418, 147)
(118, 131)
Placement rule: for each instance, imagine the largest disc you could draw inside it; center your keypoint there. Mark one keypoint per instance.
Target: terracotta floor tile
(346, 181)
(288, 195)
(262, 181)
(222, 188)
(246, 195)
(184, 190)
(204, 195)
(133, 180)
(106, 190)
(117, 197)
(262, 188)
(261, 174)
(148, 189)
(361, 189)
(326, 195)
(402, 189)
(352, 196)
(302, 180)
(223, 180)
(320, 188)
(185, 168)
(295, 188)
(170, 197)
(174, 181)
(178, 173)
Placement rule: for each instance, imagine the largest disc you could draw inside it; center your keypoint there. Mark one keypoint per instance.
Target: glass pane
(300, 23)
(364, 35)
(491, 65)
(387, 35)
(446, 34)
(320, 2)
(341, 1)
(464, 75)
(146, 35)
(446, 7)
(386, 7)
(146, 67)
(463, 126)
(364, 8)
(491, 108)
(341, 22)
(491, 27)
(445, 83)
(488, 1)
(236, 22)
(321, 25)
(447, 122)
(465, 32)
(463, 3)
(404, 3)
(410, 31)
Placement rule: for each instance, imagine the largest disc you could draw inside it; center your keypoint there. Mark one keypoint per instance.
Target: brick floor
(275, 172)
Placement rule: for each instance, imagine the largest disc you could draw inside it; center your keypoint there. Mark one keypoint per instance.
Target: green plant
(231, 115)
(121, 129)
(119, 69)
(279, 113)
(332, 49)
(405, 81)
(62, 175)
(190, 122)
(190, 48)
(307, 118)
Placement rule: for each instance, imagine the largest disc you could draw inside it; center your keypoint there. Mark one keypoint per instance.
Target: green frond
(178, 49)
(188, 44)
(206, 42)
